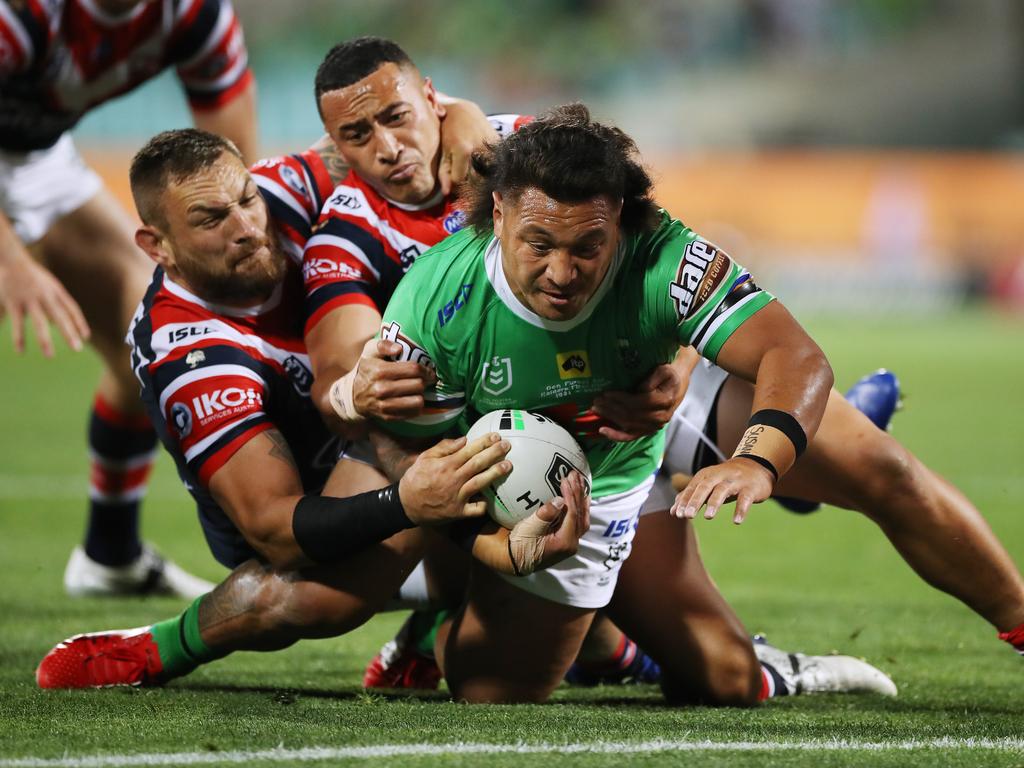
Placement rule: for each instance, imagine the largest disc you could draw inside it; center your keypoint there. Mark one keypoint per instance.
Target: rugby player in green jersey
(571, 282)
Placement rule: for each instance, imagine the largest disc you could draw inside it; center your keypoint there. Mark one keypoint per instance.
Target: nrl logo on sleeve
(181, 416)
(496, 376)
(195, 357)
(302, 378)
(291, 177)
(700, 272)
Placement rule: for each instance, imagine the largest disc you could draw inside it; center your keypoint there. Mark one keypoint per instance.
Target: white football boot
(823, 674)
(148, 574)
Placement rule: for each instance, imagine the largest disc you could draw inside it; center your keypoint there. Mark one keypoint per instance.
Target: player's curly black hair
(351, 61)
(171, 156)
(570, 158)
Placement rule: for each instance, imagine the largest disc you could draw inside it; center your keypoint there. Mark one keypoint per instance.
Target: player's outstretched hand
(28, 290)
(441, 484)
(389, 390)
(552, 533)
(645, 411)
(464, 129)
(741, 479)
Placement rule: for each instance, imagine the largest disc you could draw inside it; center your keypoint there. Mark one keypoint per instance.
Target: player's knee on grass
(730, 676)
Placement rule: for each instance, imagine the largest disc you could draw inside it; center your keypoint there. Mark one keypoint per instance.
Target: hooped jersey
(295, 188)
(455, 311)
(365, 243)
(214, 377)
(61, 58)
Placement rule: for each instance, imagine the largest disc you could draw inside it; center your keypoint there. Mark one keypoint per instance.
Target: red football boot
(101, 659)
(401, 667)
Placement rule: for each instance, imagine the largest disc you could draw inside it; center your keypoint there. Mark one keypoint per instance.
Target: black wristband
(785, 423)
(760, 460)
(329, 529)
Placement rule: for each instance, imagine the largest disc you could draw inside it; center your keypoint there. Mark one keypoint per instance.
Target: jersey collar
(426, 205)
(220, 309)
(111, 19)
(496, 276)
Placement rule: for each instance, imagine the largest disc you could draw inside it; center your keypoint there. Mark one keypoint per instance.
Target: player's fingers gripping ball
(542, 454)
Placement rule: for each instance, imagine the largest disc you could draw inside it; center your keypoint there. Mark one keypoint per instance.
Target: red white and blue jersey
(61, 58)
(214, 377)
(295, 188)
(364, 243)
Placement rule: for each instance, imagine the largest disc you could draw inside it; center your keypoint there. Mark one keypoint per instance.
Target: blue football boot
(633, 667)
(877, 396)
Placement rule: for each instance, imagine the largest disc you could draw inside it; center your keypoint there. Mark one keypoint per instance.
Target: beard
(249, 282)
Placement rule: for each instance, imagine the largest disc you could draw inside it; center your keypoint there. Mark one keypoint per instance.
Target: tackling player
(217, 345)
(66, 249)
(383, 117)
(580, 285)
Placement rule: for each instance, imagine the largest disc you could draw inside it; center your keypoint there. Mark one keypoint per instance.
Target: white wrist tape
(526, 543)
(341, 398)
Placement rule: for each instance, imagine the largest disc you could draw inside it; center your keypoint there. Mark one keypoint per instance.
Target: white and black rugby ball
(542, 454)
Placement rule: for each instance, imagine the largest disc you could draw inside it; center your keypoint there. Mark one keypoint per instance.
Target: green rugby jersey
(454, 310)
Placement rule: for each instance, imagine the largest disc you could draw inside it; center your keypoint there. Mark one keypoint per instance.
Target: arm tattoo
(336, 167)
(280, 449)
(394, 457)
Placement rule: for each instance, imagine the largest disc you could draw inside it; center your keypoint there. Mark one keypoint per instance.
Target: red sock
(1015, 637)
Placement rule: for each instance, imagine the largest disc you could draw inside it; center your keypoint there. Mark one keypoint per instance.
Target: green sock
(179, 643)
(423, 626)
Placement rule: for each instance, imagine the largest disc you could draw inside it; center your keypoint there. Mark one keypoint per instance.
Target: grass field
(825, 582)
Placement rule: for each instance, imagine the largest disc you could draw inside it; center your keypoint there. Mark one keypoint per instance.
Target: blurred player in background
(67, 254)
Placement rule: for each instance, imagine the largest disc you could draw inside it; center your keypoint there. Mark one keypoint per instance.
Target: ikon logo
(220, 399)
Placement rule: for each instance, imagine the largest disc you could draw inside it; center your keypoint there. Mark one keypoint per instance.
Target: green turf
(825, 582)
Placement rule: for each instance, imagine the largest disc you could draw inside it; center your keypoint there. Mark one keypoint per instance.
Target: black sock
(121, 452)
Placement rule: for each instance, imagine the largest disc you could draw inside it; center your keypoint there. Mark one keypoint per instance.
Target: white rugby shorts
(587, 579)
(38, 187)
(685, 432)
(359, 450)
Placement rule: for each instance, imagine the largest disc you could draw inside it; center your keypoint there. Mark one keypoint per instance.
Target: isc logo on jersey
(701, 270)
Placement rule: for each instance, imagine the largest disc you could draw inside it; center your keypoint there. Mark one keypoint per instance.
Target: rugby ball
(542, 454)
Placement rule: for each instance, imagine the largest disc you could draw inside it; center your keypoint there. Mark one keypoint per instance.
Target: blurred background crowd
(859, 156)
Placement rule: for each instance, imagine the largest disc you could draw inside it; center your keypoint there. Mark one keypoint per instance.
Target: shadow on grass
(288, 695)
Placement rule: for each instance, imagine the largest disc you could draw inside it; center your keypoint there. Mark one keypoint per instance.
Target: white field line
(314, 754)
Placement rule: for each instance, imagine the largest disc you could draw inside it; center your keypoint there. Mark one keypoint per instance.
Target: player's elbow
(271, 536)
(818, 367)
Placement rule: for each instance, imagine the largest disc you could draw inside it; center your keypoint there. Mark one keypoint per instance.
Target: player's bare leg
(259, 609)
(666, 601)
(942, 536)
(507, 645)
(256, 608)
(92, 252)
